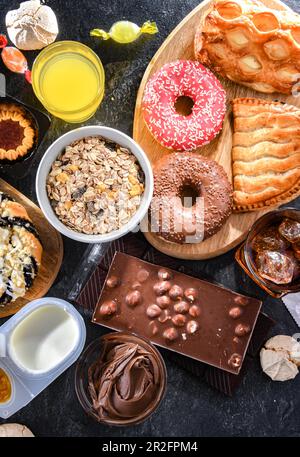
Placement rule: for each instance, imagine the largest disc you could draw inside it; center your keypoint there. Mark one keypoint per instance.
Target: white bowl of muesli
(94, 184)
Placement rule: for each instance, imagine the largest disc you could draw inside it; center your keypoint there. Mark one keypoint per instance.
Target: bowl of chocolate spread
(120, 379)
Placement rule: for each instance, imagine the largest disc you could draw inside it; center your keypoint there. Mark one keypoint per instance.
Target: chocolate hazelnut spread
(126, 381)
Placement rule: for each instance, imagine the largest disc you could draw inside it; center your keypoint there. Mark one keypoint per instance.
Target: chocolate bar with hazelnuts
(187, 315)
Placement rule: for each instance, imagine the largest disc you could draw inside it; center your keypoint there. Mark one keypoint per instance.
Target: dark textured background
(190, 408)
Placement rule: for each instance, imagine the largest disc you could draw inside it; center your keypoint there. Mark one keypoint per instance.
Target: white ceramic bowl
(58, 146)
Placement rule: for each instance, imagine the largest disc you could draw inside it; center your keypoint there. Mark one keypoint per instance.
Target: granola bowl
(94, 184)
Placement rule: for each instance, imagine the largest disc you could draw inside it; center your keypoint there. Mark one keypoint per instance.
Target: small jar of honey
(5, 387)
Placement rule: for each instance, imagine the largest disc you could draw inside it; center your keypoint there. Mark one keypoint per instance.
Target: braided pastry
(265, 153)
(20, 250)
(251, 44)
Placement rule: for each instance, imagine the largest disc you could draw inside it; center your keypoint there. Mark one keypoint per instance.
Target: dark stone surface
(190, 408)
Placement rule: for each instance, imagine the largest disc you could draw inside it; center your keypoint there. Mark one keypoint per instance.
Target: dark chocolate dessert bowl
(120, 379)
(246, 254)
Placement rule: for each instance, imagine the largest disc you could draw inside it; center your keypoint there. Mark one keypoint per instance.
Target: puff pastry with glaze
(251, 44)
(265, 153)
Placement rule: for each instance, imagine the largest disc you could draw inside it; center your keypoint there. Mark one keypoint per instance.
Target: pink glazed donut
(177, 131)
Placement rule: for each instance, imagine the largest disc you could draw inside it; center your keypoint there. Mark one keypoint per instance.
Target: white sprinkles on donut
(177, 131)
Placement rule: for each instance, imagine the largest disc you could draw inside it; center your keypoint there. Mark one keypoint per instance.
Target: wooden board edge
(155, 242)
(10, 311)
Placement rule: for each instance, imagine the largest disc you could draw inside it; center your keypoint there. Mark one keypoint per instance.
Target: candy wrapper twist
(125, 32)
(14, 59)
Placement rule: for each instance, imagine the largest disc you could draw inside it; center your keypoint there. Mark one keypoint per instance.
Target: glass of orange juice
(68, 78)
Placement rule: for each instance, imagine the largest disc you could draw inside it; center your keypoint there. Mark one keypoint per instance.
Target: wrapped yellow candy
(125, 31)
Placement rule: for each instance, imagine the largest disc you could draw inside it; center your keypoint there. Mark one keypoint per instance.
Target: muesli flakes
(95, 186)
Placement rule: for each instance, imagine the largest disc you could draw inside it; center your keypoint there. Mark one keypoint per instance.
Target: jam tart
(20, 250)
(17, 133)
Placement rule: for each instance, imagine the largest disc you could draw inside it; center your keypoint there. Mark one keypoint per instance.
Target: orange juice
(68, 78)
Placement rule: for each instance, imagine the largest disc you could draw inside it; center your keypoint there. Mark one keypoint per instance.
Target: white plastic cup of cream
(43, 339)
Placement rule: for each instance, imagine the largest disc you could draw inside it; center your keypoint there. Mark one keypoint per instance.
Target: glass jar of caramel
(271, 253)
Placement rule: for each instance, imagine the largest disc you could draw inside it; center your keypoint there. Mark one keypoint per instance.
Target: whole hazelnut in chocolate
(191, 294)
(170, 334)
(133, 298)
(179, 320)
(240, 300)
(194, 311)
(242, 329)
(136, 285)
(182, 307)
(176, 292)
(235, 312)
(163, 301)
(164, 317)
(142, 275)
(237, 340)
(235, 360)
(192, 327)
(112, 282)
(161, 287)
(153, 311)
(108, 308)
(164, 274)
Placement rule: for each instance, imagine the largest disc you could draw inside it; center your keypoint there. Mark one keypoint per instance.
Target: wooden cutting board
(52, 252)
(180, 45)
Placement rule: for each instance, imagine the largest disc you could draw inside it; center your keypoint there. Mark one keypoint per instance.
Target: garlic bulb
(32, 26)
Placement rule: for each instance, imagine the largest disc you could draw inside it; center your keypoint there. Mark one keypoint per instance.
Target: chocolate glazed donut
(180, 175)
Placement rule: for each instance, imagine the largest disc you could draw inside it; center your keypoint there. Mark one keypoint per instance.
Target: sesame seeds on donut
(208, 179)
(177, 131)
